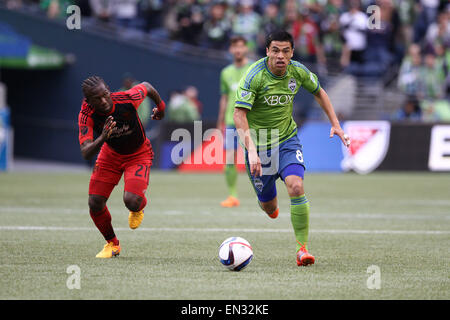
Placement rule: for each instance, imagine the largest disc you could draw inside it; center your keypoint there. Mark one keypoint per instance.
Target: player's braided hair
(91, 83)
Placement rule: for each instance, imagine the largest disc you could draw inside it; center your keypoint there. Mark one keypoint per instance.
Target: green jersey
(270, 98)
(229, 82)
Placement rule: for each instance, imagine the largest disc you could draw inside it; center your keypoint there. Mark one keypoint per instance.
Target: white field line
(335, 231)
(357, 201)
(316, 215)
(427, 202)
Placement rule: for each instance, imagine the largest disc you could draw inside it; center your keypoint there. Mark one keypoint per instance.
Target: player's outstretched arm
(241, 123)
(324, 101)
(158, 112)
(89, 148)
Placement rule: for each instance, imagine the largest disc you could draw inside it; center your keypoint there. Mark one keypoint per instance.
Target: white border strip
(332, 231)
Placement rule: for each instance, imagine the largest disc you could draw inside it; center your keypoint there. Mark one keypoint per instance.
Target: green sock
(300, 219)
(231, 178)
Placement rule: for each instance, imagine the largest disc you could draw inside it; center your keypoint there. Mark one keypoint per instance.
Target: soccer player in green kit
(229, 82)
(264, 122)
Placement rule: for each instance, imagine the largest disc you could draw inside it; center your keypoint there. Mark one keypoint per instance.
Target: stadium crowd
(411, 38)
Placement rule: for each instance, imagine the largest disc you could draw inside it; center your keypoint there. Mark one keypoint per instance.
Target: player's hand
(108, 128)
(339, 132)
(255, 164)
(157, 114)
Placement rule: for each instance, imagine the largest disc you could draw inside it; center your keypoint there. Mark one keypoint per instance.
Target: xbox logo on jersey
(275, 100)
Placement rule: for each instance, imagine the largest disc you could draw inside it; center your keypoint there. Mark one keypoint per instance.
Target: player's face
(239, 50)
(280, 54)
(100, 99)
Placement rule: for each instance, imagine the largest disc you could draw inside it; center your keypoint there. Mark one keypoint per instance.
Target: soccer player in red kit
(109, 123)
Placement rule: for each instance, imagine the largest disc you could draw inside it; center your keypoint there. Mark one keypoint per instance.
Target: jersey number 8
(299, 156)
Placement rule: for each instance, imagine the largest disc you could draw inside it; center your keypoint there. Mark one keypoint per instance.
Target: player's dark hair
(279, 35)
(235, 39)
(91, 83)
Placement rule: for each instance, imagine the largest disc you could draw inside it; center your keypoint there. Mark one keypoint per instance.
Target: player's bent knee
(132, 201)
(295, 187)
(96, 203)
(297, 190)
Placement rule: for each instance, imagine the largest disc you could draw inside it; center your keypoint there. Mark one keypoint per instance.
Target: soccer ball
(235, 253)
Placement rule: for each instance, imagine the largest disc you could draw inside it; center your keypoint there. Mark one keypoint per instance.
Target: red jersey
(306, 36)
(129, 134)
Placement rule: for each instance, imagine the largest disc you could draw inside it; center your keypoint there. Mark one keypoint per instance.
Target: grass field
(398, 222)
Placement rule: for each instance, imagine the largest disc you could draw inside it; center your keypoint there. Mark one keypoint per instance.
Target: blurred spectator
(307, 45)
(189, 19)
(382, 39)
(438, 33)
(330, 34)
(55, 8)
(191, 93)
(102, 10)
(446, 64)
(290, 13)
(125, 13)
(432, 78)
(270, 22)
(424, 81)
(314, 7)
(181, 109)
(410, 111)
(170, 24)
(247, 23)
(217, 28)
(436, 110)
(144, 110)
(354, 30)
(407, 15)
(409, 75)
(151, 11)
(427, 11)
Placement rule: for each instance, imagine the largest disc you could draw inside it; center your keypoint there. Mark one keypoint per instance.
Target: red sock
(102, 220)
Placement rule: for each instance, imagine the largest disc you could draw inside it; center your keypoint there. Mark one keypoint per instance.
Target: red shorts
(110, 166)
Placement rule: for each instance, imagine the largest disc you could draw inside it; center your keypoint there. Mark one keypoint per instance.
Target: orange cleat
(109, 251)
(135, 219)
(230, 202)
(274, 214)
(304, 258)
